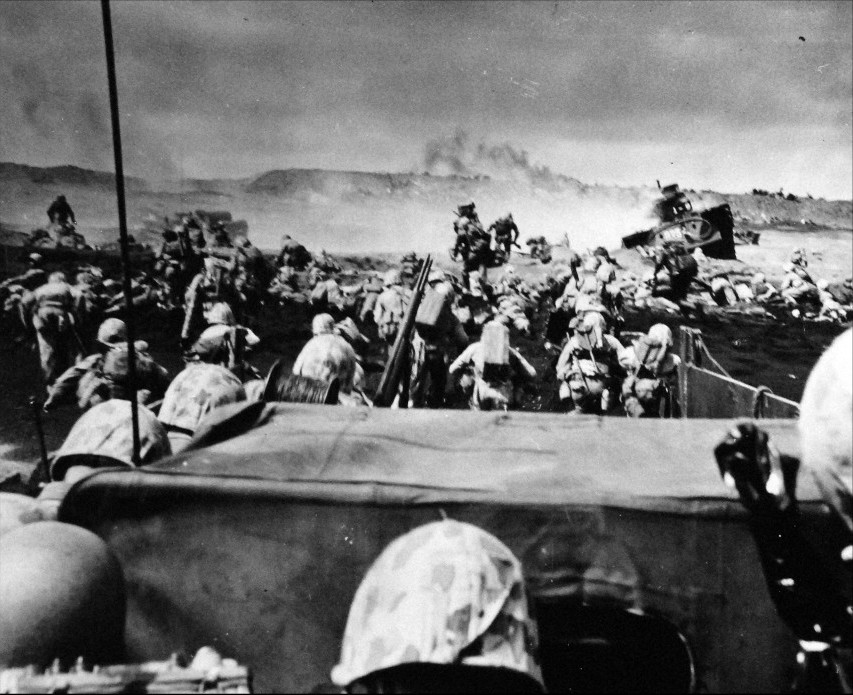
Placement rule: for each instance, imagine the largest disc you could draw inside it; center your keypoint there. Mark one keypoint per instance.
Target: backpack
(433, 319)
(393, 314)
(650, 355)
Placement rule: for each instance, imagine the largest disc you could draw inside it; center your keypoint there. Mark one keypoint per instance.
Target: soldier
(151, 381)
(347, 330)
(506, 233)
(285, 286)
(292, 253)
(103, 436)
(495, 371)
(327, 356)
(391, 308)
(193, 393)
(440, 330)
(210, 286)
(171, 264)
(650, 387)
(372, 288)
(49, 309)
(60, 213)
(226, 343)
(680, 268)
(588, 367)
(442, 609)
(84, 379)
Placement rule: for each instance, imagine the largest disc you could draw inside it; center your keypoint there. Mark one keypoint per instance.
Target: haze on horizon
(727, 96)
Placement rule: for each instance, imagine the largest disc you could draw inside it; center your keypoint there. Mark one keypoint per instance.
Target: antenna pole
(122, 222)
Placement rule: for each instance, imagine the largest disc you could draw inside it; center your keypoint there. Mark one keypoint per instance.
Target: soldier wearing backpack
(650, 387)
(588, 366)
(681, 267)
(391, 307)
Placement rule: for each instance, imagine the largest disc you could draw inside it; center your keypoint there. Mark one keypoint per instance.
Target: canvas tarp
(256, 545)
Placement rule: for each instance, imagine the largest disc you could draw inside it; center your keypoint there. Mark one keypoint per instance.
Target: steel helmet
(322, 323)
(112, 332)
(102, 436)
(62, 596)
(661, 334)
(392, 277)
(436, 275)
(35, 258)
(445, 593)
(826, 426)
(57, 276)
(221, 313)
(197, 390)
(823, 284)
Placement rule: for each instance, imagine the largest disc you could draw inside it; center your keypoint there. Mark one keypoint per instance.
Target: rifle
(394, 369)
(44, 464)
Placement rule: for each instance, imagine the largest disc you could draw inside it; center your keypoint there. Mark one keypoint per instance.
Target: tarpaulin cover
(256, 545)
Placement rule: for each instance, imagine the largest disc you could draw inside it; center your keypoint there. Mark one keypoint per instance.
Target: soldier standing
(50, 309)
(506, 233)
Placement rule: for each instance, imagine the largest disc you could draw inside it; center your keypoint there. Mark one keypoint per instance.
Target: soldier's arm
(66, 385)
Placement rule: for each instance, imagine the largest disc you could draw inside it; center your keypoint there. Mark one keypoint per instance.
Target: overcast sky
(720, 95)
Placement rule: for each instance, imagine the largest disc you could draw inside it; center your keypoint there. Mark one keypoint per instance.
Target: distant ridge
(375, 211)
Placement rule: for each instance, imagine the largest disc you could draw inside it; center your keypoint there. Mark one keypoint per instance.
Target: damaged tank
(712, 229)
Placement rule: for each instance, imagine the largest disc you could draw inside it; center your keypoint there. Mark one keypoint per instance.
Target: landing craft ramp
(256, 544)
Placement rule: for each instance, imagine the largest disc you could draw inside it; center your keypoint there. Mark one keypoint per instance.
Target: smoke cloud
(459, 155)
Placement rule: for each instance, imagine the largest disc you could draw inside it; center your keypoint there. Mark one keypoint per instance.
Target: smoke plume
(459, 155)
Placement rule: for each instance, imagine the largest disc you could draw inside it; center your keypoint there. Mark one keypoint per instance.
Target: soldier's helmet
(170, 235)
(57, 276)
(823, 284)
(35, 258)
(103, 436)
(112, 332)
(392, 277)
(322, 323)
(661, 334)
(61, 198)
(197, 390)
(62, 596)
(446, 593)
(826, 426)
(220, 313)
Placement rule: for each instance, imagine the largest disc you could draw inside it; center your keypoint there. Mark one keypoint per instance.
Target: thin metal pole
(122, 222)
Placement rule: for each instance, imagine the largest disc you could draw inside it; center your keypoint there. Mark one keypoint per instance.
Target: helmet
(112, 332)
(57, 276)
(103, 436)
(788, 267)
(605, 273)
(436, 275)
(322, 323)
(759, 277)
(197, 390)
(221, 313)
(826, 430)
(35, 258)
(170, 235)
(392, 277)
(661, 334)
(445, 593)
(62, 596)
(61, 197)
(822, 284)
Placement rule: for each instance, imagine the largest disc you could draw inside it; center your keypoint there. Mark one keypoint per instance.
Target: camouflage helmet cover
(112, 331)
(440, 589)
(197, 390)
(104, 432)
(220, 313)
(825, 427)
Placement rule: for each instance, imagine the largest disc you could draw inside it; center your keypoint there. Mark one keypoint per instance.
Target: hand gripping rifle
(398, 362)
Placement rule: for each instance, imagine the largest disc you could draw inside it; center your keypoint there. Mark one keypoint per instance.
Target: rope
(707, 353)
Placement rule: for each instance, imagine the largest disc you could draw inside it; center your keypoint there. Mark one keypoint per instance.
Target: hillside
(364, 211)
